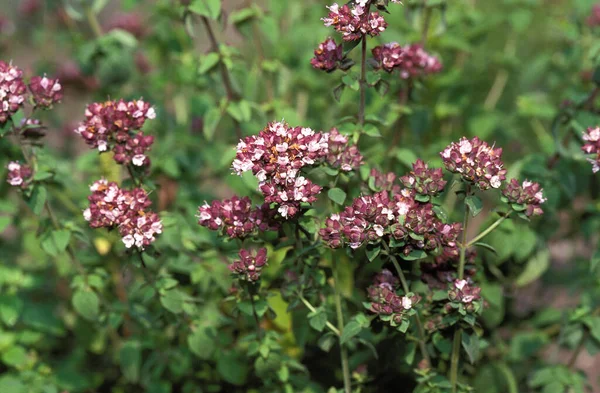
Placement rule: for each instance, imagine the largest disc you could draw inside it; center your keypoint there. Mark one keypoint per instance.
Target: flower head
(412, 61)
(250, 264)
(342, 154)
(529, 195)
(476, 162)
(45, 91)
(592, 146)
(12, 90)
(464, 291)
(423, 180)
(354, 22)
(327, 55)
(19, 175)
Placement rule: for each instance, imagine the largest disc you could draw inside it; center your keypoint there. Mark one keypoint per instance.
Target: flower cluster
(12, 90)
(423, 180)
(236, 217)
(111, 206)
(19, 175)
(476, 162)
(384, 181)
(592, 146)
(410, 60)
(355, 22)
(342, 154)
(327, 55)
(112, 125)
(45, 91)
(413, 225)
(275, 156)
(384, 300)
(464, 292)
(529, 196)
(250, 264)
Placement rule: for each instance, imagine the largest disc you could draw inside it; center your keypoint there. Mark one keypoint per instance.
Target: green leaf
(37, 200)
(209, 8)
(201, 344)
(16, 356)
(208, 62)
(351, 80)
(371, 130)
(337, 195)
(351, 329)
(5, 221)
(593, 262)
(475, 204)
(406, 157)
(470, 343)
(87, 304)
(244, 14)
(373, 252)
(373, 77)
(232, 368)
(55, 242)
(10, 308)
(318, 319)
(240, 111)
(486, 246)
(211, 121)
(130, 360)
(173, 300)
(414, 255)
(327, 341)
(536, 266)
(422, 198)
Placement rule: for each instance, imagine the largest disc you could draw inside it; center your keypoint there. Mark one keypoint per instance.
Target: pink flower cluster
(113, 125)
(12, 90)
(250, 264)
(356, 22)
(464, 292)
(45, 91)
(592, 146)
(384, 299)
(423, 180)
(19, 175)
(327, 55)
(529, 195)
(413, 225)
(411, 61)
(476, 162)
(342, 154)
(111, 206)
(236, 217)
(275, 156)
(384, 181)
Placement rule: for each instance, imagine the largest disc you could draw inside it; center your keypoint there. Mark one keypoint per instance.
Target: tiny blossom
(327, 55)
(592, 146)
(529, 194)
(342, 154)
(355, 22)
(111, 125)
(45, 91)
(410, 60)
(111, 206)
(275, 156)
(388, 56)
(423, 180)
(19, 175)
(384, 299)
(236, 217)
(12, 90)
(464, 291)
(476, 162)
(250, 264)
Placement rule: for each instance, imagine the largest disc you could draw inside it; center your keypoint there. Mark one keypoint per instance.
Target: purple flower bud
(355, 22)
(250, 264)
(529, 194)
(45, 91)
(327, 56)
(12, 90)
(19, 175)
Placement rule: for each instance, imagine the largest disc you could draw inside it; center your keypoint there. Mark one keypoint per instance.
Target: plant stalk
(340, 320)
(362, 83)
(313, 309)
(487, 231)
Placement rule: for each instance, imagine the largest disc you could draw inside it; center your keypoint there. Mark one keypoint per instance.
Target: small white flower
(87, 214)
(283, 210)
(151, 113)
(460, 284)
(128, 241)
(14, 166)
(16, 181)
(102, 146)
(495, 182)
(465, 146)
(378, 230)
(138, 159)
(406, 303)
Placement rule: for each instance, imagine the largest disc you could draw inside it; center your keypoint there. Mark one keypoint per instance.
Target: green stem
(93, 22)
(461, 272)
(256, 318)
(340, 320)
(362, 82)
(406, 289)
(487, 231)
(313, 309)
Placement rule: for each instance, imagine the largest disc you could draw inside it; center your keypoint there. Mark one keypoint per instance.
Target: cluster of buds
(342, 154)
(525, 198)
(250, 264)
(476, 162)
(113, 125)
(594, 19)
(354, 22)
(385, 301)
(411, 61)
(384, 181)
(19, 175)
(45, 91)
(328, 55)
(112, 207)
(464, 292)
(592, 146)
(443, 270)
(423, 180)
(275, 156)
(236, 217)
(413, 225)
(12, 90)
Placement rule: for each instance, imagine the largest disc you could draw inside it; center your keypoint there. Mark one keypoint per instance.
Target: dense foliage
(281, 196)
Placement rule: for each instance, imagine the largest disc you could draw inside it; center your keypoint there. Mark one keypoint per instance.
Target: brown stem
(362, 82)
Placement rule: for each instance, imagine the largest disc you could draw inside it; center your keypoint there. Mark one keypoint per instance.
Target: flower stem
(461, 273)
(362, 83)
(578, 350)
(93, 22)
(312, 308)
(251, 291)
(487, 231)
(406, 289)
(340, 320)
